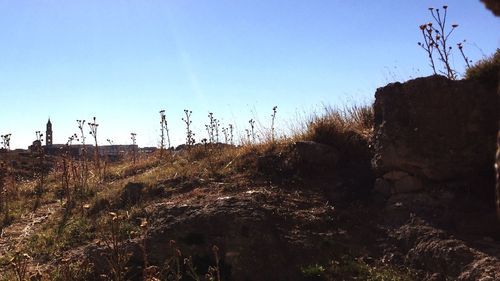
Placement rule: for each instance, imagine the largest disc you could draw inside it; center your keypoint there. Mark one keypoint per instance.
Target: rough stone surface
(497, 169)
(254, 241)
(270, 233)
(395, 175)
(428, 228)
(435, 128)
(407, 184)
(396, 182)
(314, 153)
(434, 250)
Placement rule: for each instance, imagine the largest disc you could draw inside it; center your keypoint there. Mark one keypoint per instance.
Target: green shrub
(313, 273)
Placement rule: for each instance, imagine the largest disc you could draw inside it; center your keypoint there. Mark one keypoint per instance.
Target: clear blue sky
(122, 60)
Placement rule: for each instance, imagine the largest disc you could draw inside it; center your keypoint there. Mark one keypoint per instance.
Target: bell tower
(48, 134)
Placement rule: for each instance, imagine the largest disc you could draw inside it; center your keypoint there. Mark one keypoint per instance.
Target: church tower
(48, 134)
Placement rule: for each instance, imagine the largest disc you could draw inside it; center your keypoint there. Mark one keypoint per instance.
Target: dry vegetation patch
(252, 201)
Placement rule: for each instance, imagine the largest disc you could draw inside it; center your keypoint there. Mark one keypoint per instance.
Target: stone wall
(434, 129)
(494, 6)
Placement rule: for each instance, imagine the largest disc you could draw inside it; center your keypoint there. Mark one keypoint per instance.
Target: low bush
(487, 70)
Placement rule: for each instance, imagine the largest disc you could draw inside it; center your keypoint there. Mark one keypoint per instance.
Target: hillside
(355, 196)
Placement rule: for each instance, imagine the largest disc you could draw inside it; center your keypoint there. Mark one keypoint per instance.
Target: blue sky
(122, 60)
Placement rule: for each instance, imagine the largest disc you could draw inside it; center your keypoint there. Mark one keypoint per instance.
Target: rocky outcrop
(435, 129)
(437, 134)
(493, 5)
(260, 235)
(436, 251)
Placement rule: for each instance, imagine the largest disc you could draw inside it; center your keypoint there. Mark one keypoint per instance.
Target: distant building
(111, 152)
(48, 134)
(116, 151)
(148, 150)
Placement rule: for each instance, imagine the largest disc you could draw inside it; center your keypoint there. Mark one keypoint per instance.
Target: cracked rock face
(435, 128)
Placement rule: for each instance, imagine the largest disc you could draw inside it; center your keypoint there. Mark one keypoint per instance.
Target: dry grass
(487, 69)
(74, 225)
(348, 129)
(333, 122)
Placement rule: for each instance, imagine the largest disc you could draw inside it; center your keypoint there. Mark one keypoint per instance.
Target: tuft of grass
(74, 271)
(351, 267)
(349, 129)
(487, 69)
(77, 231)
(60, 235)
(313, 273)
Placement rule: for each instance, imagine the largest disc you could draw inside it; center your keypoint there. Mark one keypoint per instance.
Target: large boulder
(492, 5)
(436, 128)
